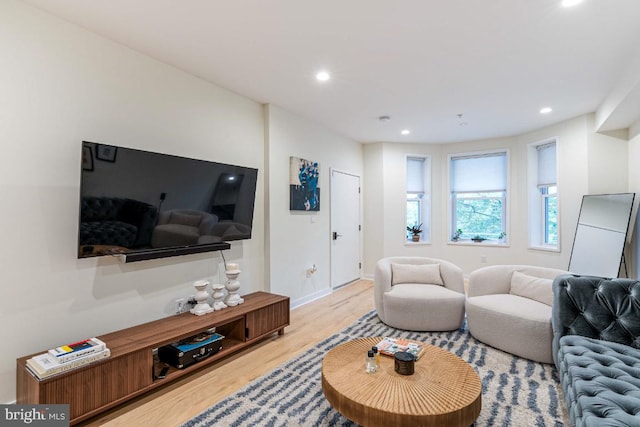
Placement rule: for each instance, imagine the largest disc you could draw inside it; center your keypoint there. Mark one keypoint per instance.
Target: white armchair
(509, 308)
(182, 227)
(419, 294)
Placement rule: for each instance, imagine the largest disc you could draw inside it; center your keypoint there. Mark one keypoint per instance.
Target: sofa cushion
(423, 307)
(535, 288)
(600, 380)
(595, 307)
(513, 306)
(512, 323)
(416, 273)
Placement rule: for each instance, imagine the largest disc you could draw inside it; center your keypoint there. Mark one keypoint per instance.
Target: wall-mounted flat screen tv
(146, 205)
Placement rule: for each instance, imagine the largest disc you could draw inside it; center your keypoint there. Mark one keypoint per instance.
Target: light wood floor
(181, 400)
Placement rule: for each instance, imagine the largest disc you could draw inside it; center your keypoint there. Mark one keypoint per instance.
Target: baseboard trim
(309, 298)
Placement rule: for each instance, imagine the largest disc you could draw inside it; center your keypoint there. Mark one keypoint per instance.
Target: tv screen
(134, 202)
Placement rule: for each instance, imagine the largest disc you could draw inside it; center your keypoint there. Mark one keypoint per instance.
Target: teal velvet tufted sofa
(596, 348)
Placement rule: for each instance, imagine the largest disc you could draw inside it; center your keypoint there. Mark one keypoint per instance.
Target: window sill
(545, 248)
(493, 243)
(420, 243)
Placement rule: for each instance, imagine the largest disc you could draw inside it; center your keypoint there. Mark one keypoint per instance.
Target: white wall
(373, 207)
(297, 240)
(608, 172)
(633, 254)
(61, 85)
(573, 137)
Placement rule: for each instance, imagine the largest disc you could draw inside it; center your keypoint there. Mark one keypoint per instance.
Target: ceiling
(421, 62)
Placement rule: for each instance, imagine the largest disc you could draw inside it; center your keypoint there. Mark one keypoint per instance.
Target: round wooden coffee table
(444, 390)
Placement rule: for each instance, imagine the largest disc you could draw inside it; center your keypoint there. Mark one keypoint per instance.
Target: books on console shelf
(45, 365)
(390, 346)
(69, 352)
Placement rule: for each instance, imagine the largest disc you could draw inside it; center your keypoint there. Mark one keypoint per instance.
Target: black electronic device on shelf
(191, 350)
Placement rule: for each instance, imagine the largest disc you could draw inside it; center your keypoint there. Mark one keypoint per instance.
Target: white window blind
(546, 164)
(479, 173)
(415, 175)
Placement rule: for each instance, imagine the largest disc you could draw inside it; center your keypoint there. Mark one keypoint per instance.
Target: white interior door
(345, 228)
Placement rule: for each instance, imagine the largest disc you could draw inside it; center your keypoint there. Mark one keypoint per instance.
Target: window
(549, 221)
(418, 196)
(543, 201)
(478, 185)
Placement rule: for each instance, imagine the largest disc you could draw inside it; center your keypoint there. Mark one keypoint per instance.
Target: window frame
(452, 219)
(544, 211)
(424, 199)
(538, 223)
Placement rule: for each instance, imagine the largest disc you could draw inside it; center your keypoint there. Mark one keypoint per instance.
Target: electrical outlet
(180, 305)
(483, 259)
(311, 271)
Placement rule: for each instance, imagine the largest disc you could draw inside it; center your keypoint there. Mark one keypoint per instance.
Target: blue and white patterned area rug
(515, 392)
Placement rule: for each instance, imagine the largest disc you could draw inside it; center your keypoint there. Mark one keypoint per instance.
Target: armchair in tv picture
(185, 227)
(182, 227)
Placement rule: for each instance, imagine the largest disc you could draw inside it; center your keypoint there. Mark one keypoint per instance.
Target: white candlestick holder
(201, 297)
(233, 286)
(218, 296)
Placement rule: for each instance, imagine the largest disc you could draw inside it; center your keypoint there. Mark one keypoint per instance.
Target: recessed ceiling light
(545, 110)
(323, 76)
(569, 3)
(405, 132)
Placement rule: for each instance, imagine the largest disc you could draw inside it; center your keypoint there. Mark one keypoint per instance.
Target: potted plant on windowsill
(478, 238)
(415, 231)
(456, 235)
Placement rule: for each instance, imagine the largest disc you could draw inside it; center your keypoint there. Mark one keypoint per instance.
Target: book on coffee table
(390, 346)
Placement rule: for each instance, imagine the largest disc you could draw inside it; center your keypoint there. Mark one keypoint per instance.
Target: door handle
(336, 235)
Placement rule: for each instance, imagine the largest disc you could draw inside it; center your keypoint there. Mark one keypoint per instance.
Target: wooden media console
(131, 369)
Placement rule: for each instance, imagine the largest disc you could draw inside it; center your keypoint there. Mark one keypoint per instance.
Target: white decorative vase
(218, 296)
(232, 285)
(201, 297)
